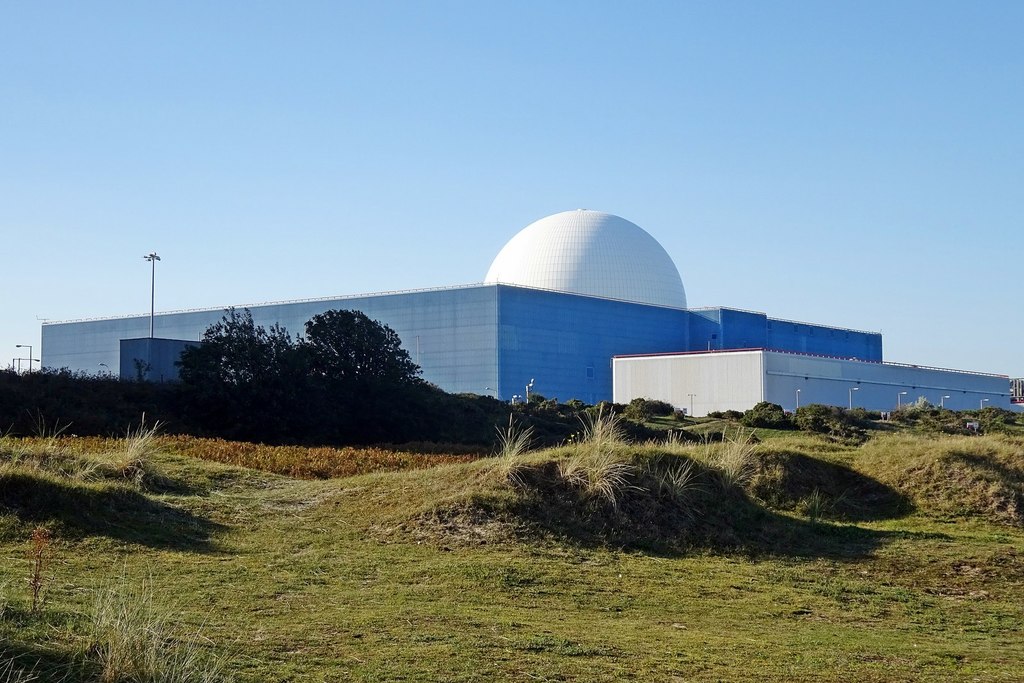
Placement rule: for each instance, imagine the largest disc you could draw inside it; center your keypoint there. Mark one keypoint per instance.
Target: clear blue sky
(850, 163)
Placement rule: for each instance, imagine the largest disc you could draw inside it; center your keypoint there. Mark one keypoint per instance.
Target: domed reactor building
(582, 304)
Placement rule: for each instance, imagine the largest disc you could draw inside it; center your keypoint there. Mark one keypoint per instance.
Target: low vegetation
(749, 555)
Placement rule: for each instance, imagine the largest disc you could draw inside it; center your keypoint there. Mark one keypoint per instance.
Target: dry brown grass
(81, 457)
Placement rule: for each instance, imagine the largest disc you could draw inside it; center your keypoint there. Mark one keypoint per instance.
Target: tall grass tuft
(12, 674)
(513, 443)
(133, 460)
(134, 642)
(600, 464)
(815, 505)
(679, 480)
(734, 459)
(602, 430)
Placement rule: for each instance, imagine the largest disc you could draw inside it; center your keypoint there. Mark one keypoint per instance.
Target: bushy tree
(242, 381)
(767, 415)
(638, 410)
(349, 348)
(830, 420)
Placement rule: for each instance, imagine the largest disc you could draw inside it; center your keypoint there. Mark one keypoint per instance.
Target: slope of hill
(790, 559)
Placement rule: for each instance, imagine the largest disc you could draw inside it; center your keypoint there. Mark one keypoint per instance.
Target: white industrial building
(703, 382)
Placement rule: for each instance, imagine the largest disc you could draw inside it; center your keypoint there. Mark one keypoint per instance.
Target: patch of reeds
(733, 458)
(513, 443)
(133, 460)
(9, 673)
(133, 641)
(600, 464)
(677, 480)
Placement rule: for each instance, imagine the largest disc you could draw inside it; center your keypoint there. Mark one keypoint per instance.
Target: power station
(584, 305)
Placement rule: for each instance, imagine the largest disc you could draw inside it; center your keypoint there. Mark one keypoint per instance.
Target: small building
(704, 382)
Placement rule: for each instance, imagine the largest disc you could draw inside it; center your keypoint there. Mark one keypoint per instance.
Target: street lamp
(104, 365)
(798, 399)
(899, 399)
(981, 403)
(514, 397)
(691, 403)
(152, 258)
(30, 356)
(852, 389)
(942, 401)
(528, 387)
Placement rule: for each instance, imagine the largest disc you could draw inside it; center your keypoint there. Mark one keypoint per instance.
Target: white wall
(829, 380)
(719, 381)
(727, 380)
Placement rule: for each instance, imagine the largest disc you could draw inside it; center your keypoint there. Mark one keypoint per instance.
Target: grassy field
(900, 559)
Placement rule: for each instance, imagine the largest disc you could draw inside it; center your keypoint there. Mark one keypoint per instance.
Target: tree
(768, 415)
(243, 381)
(348, 380)
(349, 348)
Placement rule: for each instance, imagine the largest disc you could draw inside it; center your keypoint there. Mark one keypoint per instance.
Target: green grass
(831, 563)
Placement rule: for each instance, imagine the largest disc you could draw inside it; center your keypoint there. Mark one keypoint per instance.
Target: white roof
(592, 253)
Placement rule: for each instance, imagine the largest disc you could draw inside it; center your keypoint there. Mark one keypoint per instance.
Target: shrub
(638, 410)
(830, 420)
(767, 415)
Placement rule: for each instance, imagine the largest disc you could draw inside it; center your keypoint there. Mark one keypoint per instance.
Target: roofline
(812, 355)
(344, 297)
(780, 320)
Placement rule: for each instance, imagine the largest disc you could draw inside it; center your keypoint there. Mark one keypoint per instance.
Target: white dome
(593, 253)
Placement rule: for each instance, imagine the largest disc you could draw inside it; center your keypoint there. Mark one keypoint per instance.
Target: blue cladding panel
(705, 330)
(450, 333)
(154, 359)
(566, 342)
(726, 328)
(743, 329)
(785, 335)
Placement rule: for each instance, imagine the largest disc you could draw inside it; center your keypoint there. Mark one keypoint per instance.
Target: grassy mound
(511, 567)
(953, 477)
(670, 497)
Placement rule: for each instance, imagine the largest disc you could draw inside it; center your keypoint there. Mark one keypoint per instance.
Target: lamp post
(798, 399)
(942, 401)
(107, 367)
(691, 403)
(514, 397)
(899, 399)
(30, 356)
(852, 389)
(152, 258)
(528, 387)
(981, 403)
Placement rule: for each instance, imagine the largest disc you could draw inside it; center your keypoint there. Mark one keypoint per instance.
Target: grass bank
(792, 558)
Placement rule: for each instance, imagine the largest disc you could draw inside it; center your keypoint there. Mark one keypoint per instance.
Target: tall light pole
(152, 258)
(981, 403)
(798, 399)
(852, 389)
(942, 401)
(528, 387)
(899, 399)
(30, 356)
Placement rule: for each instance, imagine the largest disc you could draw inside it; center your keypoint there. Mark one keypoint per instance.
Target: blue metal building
(561, 299)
